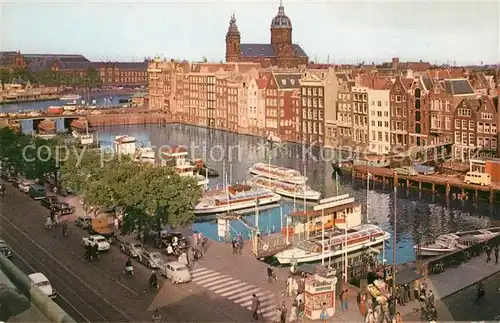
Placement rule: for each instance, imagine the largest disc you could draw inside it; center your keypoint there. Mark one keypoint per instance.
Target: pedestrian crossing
(235, 290)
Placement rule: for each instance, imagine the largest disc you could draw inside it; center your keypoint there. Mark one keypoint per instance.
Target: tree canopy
(150, 196)
(90, 80)
(30, 156)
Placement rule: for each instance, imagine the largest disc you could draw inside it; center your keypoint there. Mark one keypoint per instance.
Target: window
(471, 139)
(417, 116)
(379, 123)
(417, 104)
(457, 124)
(457, 137)
(379, 103)
(471, 125)
(386, 114)
(398, 98)
(373, 135)
(417, 128)
(417, 93)
(379, 135)
(464, 124)
(404, 98)
(493, 143)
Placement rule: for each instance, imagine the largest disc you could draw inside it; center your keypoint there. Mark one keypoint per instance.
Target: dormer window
(283, 81)
(292, 81)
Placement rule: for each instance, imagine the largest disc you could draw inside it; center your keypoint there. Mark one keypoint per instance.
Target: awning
(406, 276)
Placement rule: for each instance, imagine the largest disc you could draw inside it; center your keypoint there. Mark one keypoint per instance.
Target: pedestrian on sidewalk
(431, 298)
(289, 286)
(495, 252)
(293, 313)
(416, 291)
(255, 307)
(370, 317)
(398, 318)
(234, 244)
(344, 299)
(487, 249)
(277, 318)
(324, 314)
(362, 305)
(240, 243)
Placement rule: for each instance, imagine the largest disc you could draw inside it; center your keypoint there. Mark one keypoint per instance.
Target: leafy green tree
(93, 79)
(4, 76)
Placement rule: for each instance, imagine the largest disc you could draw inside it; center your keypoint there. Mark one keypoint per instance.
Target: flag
(369, 175)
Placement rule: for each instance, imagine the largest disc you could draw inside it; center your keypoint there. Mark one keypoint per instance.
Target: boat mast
(394, 249)
(367, 195)
(345, 249)
(305, 208)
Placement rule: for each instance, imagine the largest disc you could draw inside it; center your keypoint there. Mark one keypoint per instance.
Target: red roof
(174, 150)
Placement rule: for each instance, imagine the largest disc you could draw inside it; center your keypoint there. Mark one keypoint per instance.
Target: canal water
(417, 219)
(100, 98)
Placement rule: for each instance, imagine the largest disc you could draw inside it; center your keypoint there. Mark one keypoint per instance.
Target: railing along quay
(434, 183)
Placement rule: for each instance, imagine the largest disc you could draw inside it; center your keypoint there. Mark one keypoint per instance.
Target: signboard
(222, 227)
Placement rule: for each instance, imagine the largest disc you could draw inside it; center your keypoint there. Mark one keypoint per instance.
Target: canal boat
(286, 189)
(80, 124)
(145, 155)
(176, 157)
(235, 197)
(333, 244)
(203, 169)
(54, 110)
(70, 106)
(280, 173)
(47, 126)
(70, 97)
(451, 242)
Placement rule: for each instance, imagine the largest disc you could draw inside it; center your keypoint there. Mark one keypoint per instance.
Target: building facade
(280, 52)
(418, 115)
(379, 120)
(399, 113)
(360, 116)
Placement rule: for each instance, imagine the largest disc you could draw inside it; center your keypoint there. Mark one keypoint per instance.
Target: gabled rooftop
(458, 87)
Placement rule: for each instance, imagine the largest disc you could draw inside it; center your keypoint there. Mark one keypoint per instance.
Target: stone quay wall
(112, 119)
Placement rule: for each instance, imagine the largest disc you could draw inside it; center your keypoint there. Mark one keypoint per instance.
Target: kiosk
(318, 291)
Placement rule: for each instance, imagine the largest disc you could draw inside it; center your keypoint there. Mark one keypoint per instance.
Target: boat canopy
(277, 170)
(244, 194)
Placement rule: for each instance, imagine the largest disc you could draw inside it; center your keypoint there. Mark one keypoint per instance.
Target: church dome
(281, 20)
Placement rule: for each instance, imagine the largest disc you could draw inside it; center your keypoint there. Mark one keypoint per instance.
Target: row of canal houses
(375, 110)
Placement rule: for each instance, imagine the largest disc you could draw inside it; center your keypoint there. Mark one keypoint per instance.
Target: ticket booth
(318, 291)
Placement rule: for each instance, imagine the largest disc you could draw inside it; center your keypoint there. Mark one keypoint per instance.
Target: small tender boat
(70, 97)
(47, 126)
(70, 106)
(286, 189)
(280, 173)
(236, 197)
(176, 156)
(334, 244)
(451, 242)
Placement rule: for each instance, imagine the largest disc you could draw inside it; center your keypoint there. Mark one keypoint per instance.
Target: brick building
(344, 110)
(360, 115)
(399, 111)
(122, 73)
(279, 52)
(418, 114)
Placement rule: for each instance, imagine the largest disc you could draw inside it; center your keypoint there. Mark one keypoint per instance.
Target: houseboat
(334, 243)
(286, 189)
(47, 126)
(145, 155)
(70, 97)
(235, 197)
(176, 157)
(451, 242)
(280, 173)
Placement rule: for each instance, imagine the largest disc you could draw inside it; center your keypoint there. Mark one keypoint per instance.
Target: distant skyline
(345, 32)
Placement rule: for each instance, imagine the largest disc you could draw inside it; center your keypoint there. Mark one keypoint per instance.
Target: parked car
(424, 169)
(477, 178)
(5, 249)
(49, 201)
(24, 186)
(84, 222)
(102, 243)
(151, 259)
(406, 170)
(132, 249)
(37, 192)
(177, 272)
(43, 284)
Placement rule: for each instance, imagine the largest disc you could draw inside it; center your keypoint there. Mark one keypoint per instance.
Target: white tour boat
(280, 173)
(451, 242)
(176, 156)
(286, 189)
(236, 197)
(70, 97)
(334, 242)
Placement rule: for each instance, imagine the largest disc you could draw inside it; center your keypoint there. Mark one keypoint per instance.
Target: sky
(441, 32)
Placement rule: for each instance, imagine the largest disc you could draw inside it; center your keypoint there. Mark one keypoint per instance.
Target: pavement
(454, 281)
(98, 291)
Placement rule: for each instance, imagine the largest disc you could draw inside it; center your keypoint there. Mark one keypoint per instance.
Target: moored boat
(235, 197)
(202, 168)
(80, 124)
(47, 126)
(280, 173)
(70, 97)
(286, 189)
(333, 244)
(176, 156)
(450, 242)
(146, 155)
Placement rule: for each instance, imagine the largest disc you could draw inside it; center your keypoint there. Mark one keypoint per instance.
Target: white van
(477, 178)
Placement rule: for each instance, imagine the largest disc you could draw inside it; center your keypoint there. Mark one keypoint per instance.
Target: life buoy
(265, 247)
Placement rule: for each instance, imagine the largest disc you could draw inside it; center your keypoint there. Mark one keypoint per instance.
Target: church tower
(281, 28)
(233, 39)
